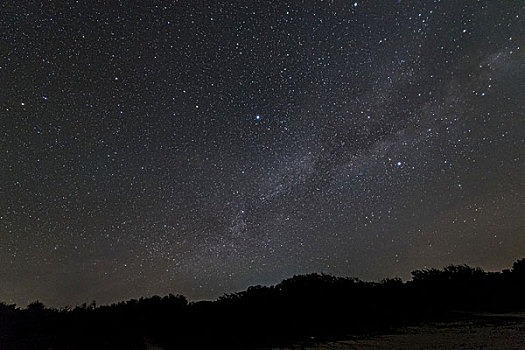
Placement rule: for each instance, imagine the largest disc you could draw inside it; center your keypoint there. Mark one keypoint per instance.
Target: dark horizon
(270, 284)
(302, 310)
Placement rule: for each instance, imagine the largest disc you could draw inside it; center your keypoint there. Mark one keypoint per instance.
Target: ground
(481, 331)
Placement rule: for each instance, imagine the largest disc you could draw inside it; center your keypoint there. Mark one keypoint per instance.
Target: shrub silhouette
(301, 309)
(518, 268)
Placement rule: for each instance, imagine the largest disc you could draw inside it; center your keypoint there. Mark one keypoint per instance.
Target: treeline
(300, 309)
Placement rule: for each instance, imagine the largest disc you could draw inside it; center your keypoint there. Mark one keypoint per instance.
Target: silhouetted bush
(518, 268)
(299, 309)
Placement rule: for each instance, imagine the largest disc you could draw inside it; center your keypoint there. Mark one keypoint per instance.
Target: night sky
(199, 147)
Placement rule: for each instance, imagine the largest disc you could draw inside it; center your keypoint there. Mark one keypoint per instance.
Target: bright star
(258, 117)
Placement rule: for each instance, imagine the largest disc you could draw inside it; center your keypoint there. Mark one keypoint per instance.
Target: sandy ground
(482, 331)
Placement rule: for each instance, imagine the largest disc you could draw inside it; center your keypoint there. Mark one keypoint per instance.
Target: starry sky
(199, 147)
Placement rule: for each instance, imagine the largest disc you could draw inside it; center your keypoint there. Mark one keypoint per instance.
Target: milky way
(202, 147)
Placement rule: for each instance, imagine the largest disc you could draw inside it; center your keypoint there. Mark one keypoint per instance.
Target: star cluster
(201, 147)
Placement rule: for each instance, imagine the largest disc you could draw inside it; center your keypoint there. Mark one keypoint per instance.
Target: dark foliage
(299, 309)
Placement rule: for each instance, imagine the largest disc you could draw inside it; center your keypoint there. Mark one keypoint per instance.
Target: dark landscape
(470, 332)
(298, 312)
(203, 174)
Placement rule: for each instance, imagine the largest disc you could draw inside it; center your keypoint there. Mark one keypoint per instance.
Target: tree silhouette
(300, 309)
(36, 306)
(518, 268)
